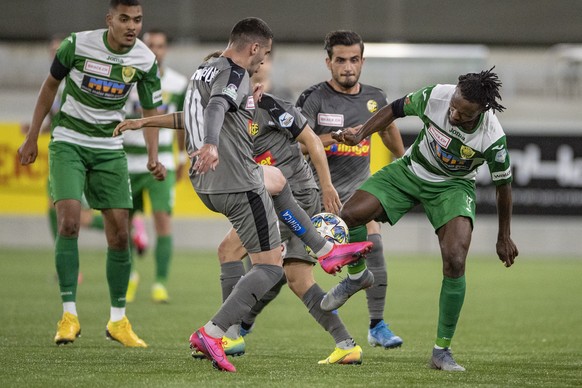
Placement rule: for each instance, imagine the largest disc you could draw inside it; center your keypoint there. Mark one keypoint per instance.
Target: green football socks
(118, 270)
(163, 257)
(450, 304)
(357, 234)
(67, 263)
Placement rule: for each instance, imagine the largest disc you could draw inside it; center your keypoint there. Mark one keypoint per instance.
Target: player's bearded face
(125, 23)
(463, 113)
(346, 65)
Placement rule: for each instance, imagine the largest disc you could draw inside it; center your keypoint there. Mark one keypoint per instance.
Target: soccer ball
(330, 227)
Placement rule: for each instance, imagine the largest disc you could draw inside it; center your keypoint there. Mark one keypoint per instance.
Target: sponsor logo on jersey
(362, 149)
(292, 223)
(230, 91)
(467, 152)
(114, 59)
(253, 128)
(97, 68)
(372, 106)
(458, 134)
(250, 103)
(127, 72)
(206, 74)
(108, 89)
(451, 162)
(440, 137)
(500, 175)
(157, 96)
(500, 156)
(330, 119)
(286, 120)
(266, 159)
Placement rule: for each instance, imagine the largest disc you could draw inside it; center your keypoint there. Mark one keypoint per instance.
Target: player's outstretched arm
(169, 120)
(506, 248)
(382, 119)
(312, 143)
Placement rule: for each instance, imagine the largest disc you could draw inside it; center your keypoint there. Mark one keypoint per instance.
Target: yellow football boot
(121, 332)
(68, 329)
(159, 293)
(341, 356)
(132, 287)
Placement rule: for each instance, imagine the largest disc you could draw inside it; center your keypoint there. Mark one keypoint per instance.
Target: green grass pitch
(519, 327)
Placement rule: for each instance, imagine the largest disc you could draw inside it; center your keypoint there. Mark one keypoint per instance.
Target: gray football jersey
(327, 110)
(236, 170)
(277, 125)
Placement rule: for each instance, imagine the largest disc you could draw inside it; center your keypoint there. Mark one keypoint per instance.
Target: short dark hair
(130, 3)
(482, 88)
(342, 38)
(250, 30)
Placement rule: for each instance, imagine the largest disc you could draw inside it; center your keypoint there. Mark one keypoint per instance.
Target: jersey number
(194, 116)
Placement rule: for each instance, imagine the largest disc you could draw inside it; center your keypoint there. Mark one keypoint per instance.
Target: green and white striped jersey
(174, 86)
(97, 86)
(442, 151)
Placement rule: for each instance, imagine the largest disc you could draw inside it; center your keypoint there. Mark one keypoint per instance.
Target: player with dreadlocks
(460, 133)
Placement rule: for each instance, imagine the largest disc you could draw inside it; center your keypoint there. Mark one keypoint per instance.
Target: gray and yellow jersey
(275, 129)
(97, 85)
(326, 111)
(442, 151)
(236, 170)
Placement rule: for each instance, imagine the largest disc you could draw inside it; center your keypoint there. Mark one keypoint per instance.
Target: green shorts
(101, 174)
(162, 194)
(399, 190)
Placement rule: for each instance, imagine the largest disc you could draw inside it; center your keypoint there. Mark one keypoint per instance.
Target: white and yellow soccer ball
(331, 227)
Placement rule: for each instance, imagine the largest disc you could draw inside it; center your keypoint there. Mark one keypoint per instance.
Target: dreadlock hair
(482, 88)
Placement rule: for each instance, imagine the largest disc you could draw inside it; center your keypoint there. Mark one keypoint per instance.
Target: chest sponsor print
(266, 159)
(362, 149)
(253, 128)
(330, 119)
(439, 137)
(105, 88)
(98, 68)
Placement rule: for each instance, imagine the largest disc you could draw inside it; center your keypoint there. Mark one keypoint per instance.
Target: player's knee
(454, 263)
(69, 228)
(274, 180)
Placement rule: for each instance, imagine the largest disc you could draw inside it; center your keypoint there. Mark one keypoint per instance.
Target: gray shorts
(251, 214)
(309, 201)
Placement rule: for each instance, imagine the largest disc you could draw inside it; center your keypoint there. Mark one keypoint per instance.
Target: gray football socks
(250, 317)
(247, 292)
(296, 219)
(329, 321)
(376, 295)
(230, 274)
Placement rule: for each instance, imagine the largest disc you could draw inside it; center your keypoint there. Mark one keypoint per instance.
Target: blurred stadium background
(535, 45)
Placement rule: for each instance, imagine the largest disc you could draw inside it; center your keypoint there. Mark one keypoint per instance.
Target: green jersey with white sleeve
(97, 85)
(442, 152)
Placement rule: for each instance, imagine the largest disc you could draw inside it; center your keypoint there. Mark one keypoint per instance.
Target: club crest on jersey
(286, 120)
(253, 128)
(97, 68)
(127, 72)
(372, 106)
(467, 152)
